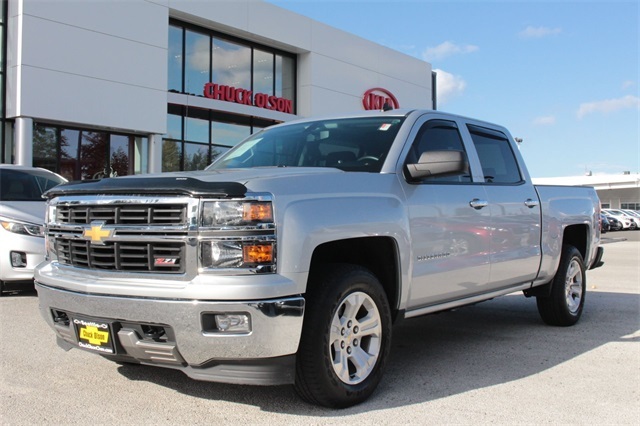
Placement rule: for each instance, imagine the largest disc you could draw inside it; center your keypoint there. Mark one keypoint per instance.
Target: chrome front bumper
(265, 355)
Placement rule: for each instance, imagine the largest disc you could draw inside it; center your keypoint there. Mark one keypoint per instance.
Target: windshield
(26, 185)
(350, 144)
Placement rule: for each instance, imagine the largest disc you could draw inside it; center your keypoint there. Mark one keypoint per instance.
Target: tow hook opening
(60, 317)
(154, 332)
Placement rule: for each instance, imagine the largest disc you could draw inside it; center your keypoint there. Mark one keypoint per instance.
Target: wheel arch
(577, 236)
(380, 255)
(573, 235)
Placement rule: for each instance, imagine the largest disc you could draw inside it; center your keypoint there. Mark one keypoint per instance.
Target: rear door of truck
(513, 203)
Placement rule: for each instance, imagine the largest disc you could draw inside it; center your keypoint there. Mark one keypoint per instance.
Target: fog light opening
(232, 323)
(227, 323)
(18, 259)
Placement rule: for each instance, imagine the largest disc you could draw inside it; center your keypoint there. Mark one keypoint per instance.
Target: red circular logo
(377, 97)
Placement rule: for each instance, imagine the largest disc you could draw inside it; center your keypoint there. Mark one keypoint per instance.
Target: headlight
(236, 213)
(23, 228)
(238, 234)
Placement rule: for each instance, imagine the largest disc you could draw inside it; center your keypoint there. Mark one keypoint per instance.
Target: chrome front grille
(123, 214)
(129, 256)
(128, 234)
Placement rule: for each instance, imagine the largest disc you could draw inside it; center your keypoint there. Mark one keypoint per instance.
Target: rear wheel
(564, 305)
(345, 339)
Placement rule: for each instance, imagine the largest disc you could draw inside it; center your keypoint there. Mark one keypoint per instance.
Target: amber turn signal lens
(258, 212)
(257, 253)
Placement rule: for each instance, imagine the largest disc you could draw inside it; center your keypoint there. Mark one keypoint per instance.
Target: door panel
(451, 243)
(515, 239)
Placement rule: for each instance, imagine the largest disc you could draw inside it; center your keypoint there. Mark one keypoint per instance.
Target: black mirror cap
(439, 163)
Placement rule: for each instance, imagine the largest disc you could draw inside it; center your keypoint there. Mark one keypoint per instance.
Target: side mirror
(439, 163)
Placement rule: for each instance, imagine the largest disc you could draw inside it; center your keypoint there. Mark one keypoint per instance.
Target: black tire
(347, 297)
(564, 306)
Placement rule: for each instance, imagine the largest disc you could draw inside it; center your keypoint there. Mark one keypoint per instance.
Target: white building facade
(95, 87)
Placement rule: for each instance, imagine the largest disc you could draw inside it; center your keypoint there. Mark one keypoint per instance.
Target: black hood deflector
(162, 185)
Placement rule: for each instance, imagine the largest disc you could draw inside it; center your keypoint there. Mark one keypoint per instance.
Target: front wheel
(346, 337)
(564, 305)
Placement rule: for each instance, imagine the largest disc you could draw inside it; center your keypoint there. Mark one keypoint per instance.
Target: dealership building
(96, 88)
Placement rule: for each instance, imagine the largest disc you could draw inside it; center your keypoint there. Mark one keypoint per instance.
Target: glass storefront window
(231, 64)
(207, 135)
(174, 126)
(262, 72)
(171, 154)
(93, 155)
(286, 78)
(119, 158)
(196, 129)
(175, 58)
(196, 67)
(85, 154)
(196, 156)
(228, 134)
(45, 147)
(198, 56)
(70, 141)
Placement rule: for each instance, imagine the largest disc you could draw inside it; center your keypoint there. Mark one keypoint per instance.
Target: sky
(563, 76)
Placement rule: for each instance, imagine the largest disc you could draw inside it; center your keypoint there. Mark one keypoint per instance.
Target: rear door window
(498, 161)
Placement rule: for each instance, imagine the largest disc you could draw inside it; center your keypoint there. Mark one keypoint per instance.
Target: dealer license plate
(94, 334)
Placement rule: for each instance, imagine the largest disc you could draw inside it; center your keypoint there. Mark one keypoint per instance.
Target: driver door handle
(477, 203)
(531, 203)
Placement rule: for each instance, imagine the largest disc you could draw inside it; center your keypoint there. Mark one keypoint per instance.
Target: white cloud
(445, 49)
(545, 120)
(608, 105)
(539, 32)
(448, 86)
(629, 84)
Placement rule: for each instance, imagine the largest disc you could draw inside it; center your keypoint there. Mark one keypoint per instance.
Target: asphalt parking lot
(495, 362)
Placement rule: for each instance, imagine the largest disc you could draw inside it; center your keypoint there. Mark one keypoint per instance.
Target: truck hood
(226, 183)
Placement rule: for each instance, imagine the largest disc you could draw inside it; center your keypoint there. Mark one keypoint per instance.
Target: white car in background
(633, 213)
(628, 221)
(22, 211)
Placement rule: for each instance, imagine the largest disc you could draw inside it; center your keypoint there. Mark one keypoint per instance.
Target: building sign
(376, 98)
(247, 97)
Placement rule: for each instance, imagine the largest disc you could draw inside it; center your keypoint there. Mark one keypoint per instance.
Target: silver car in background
(22, 210)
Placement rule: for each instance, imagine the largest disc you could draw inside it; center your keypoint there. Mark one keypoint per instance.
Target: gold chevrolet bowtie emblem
(96, 234)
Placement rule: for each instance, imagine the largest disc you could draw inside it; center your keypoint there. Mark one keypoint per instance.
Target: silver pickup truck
(291, 256)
